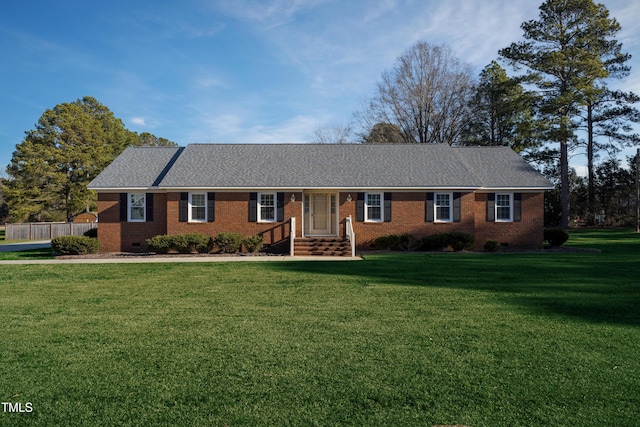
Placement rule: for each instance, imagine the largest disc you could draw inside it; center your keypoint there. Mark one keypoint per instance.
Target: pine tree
(70, 145)
(564, 57)
(502, 112)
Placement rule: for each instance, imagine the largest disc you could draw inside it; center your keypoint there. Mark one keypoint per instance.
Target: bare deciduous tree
(426, 94)
(333, 134)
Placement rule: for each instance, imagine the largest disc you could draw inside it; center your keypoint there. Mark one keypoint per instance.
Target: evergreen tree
(608, 120)
(51, 168)
(384, 133)
(147, 139)
(502, 112)
(615, 191)
(607, 115)
(563, 56)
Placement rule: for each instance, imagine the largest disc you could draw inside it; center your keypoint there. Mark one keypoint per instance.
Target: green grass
(417, 339)
(31, 254)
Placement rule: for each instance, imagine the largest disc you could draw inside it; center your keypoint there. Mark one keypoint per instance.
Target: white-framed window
(504, 207)
(442, 205)
(136, 209)
(197, 207)
(373, 211)
(266, 207)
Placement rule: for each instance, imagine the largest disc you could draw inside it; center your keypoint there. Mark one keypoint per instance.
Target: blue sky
(239, 71)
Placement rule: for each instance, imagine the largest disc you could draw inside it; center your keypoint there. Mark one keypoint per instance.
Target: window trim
(259, 207)
(496, 207)
(191, 206)
(130, 207)
(436, 206)
(367, 206)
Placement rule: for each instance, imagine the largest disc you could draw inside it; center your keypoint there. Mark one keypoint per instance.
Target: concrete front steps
(325, 246)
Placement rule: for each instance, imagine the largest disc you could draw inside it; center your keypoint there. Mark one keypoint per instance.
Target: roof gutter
(354, 188)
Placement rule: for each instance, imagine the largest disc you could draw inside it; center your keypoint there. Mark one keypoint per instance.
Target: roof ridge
(173, 147)
(311, 144)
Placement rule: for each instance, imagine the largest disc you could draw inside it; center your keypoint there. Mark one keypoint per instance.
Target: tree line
(556, 104)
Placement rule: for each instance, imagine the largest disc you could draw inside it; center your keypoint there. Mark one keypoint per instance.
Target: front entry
(320, 214)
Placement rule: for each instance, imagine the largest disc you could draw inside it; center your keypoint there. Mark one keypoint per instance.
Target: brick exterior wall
(407, 216)
(116, 236)
(528, 233)
(109, 222)
(232, 215)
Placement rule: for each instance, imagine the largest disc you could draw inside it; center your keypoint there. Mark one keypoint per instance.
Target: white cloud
(272, 12)
(139, 121)
(335, 53)
(581, 170)
(627, 13)
(233, 129)
(342, 48)
(293, 131)
(205, 30)
(380, 9)
(226, 125)
(208, 78)
(476, 31)
(165, 21)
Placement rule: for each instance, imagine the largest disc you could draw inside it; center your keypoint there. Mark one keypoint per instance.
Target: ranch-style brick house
(332, 196)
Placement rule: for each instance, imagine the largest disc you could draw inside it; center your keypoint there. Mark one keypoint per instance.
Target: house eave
(513, 189)
(157, 189)
(318, 188)
(125, 189)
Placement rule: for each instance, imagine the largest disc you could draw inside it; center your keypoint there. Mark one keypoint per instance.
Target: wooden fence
(46, 230)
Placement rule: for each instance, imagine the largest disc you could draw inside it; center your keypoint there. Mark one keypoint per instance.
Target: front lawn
(397, 339)
(31, 254)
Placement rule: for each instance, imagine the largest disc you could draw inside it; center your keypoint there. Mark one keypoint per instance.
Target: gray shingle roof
(353, 166)
(136, 167)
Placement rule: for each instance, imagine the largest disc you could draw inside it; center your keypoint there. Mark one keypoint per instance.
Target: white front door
(320, 210)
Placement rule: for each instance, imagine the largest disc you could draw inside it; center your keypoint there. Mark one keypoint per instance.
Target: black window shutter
(184, 207)
(360, 207)
(123, 206)
(280, 207)
(428, 210)
(211, 207)
(517, 207)
(253, 207)
(148, 207)
(387, 207)
(491, 207)
(457, 207)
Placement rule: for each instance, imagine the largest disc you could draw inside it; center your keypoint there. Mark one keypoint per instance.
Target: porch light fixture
(349, 197)
(293, 197)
